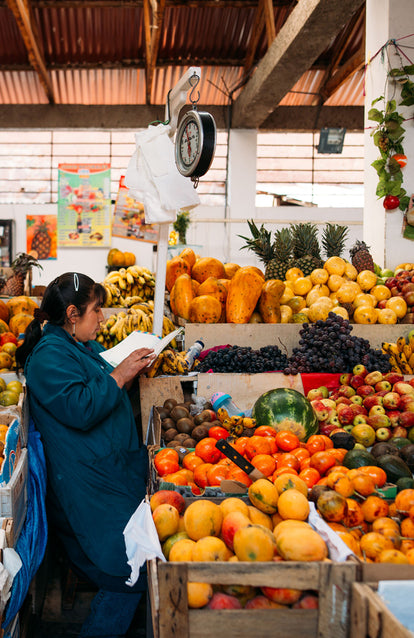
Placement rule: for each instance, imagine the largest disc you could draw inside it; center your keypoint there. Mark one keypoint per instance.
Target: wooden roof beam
(153, 19)
(21, 10)
(305, 35)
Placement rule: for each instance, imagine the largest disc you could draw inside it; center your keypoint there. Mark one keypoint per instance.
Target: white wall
(206, 232)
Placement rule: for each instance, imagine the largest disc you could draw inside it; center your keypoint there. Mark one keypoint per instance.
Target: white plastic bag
(141, 540)
(153, 177)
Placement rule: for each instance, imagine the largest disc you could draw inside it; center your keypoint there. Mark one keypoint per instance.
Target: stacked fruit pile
(401, 286)
(401, 354)
(240, 530)
(127, 286)
(15, 315)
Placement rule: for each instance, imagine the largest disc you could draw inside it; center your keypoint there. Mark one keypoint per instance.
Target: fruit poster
(84, 205)
(41, 236)
(129, 217)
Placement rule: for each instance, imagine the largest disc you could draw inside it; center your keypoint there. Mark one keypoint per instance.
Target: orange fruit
(398, 305)
(199, 594)
(209, 548)
(366, 279)
(386, 316)
(301, 285)
(202, 518)
(264, 495)
(380, 292)
(293, 273)
(335, 282)
(319, 276)
(292, 504)
(365, 314)
(374, 507)
(335, 265)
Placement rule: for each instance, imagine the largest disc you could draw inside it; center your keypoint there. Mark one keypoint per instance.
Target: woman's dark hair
(68, 289)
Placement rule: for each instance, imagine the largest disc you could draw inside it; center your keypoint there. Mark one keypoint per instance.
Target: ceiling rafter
(259, 22)
(102, 4)
(336, 74)
(22, 12)
(306, 33)
(153, 19)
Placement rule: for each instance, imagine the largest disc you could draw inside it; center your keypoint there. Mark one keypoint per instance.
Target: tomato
(258, 445)
(391, 202)
(218, 432)
(310, 475)
(288, 460)
(206, 450)
(166, 461)
(200, 474)
(316, 443)
(322, 461)
(216, 474)
(400, 158)
(265, 463)
(265, 430)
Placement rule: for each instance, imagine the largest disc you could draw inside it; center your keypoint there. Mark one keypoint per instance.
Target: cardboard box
(167, 584)
(370, 616)
(13, 496)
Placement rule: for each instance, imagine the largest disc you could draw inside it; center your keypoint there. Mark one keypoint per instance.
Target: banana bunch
(401, 355)
(133, 283)
(138, 317)
(169, 362)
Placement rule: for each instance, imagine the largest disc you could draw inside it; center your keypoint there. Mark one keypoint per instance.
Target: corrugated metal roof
(95, 55)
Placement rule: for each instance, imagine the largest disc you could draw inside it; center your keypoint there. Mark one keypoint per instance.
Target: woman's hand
(138, 361)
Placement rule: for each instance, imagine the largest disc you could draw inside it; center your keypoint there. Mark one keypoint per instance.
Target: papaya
(175, 267)
(243, 294)
(17, 305)
(206, 267)
(4, 311)
(205, 309)
(19, 322)
(269, 301)
(181, 296)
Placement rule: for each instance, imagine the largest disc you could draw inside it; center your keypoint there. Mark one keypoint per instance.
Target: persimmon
(411, 512)
(301, 453)
(216, 474)
(287, 441)
(200, 474)
(407, 527)
(305, 463)
(257, 445)
(322, 461)
(376, 473)
(237, 474)
(218, 432)
(175, 478)
(166, 464)
(315, 443)
(206, 450)
(265, 463)
(284, 470)
(265, 430)
(337, 452)
(240, 444)
(191, 460)
(373, 507)
(363, 484)
(343, 486)
(272, 442)
(404, 500)
(388, 527)
(288, 460)
(310, 476)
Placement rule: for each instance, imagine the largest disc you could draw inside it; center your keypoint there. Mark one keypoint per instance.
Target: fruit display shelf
(171, 616)
(284, 335)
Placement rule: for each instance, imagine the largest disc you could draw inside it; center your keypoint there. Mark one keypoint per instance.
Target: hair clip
(76, 281)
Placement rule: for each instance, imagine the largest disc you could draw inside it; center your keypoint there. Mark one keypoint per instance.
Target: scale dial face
(195, 143)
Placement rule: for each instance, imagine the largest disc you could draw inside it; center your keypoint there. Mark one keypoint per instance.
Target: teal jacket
(96, 466)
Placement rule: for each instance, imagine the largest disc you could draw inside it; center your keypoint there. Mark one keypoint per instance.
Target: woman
(96, 466)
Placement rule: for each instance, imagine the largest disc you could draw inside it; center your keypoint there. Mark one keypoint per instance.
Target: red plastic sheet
(316, 379)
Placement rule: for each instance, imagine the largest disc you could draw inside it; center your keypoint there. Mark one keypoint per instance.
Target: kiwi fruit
(199, 432)
(167, 423)
(189, 443)
(172, 443)
(198, 419)
(185, 425)
(163, 412)
(215, 422)
(181, 437)
(169, 435)
(169, 404)
(207, 415)
(179, 412)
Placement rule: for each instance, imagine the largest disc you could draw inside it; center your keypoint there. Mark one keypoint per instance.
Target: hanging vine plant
(388, 136)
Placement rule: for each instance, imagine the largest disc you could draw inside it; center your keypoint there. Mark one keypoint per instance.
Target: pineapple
(333, 239)
(306, 249)
(42, 241)
(361, 257)
(260, 243)
(14, 286)
(282, 261)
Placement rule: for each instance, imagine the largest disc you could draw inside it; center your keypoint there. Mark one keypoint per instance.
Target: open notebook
(138, 339)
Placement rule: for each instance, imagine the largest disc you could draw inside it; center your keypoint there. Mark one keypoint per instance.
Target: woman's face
(87, 326)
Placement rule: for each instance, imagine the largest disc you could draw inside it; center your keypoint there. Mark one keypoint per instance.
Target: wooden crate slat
(173, 601)
(303, 576)
(257, 623)
(370, 617)
(334, 598)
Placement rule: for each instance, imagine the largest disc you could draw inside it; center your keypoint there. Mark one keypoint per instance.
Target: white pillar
(242, 177)
(385, 20)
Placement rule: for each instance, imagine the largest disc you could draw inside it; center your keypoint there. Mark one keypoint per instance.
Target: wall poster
(41, 236)
(84, 205)
(129, 218)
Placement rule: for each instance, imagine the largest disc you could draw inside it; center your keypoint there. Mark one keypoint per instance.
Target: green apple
(387, 273)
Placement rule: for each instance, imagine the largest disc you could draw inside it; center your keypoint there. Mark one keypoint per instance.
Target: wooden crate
(171, 616)
(374, 572)
(370, 617)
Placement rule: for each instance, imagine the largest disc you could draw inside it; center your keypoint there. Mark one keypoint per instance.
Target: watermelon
(286, 409)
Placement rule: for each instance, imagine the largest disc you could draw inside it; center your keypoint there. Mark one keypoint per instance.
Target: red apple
(224, 601)
(393, 377)
(382, 386)
(346, 391)
(391, 400)
(382, 304)
(314, 393)
(328, 428)
(345, 378)
(378, 421)
(340, 400)
(406, 403)
(383, 434)
(321, 410)
(390, 282)
(409, 297)
(357, 380)
(393, 416)
(365, 390)
(360, 369)
(377, 409)
(406, 419)
(399, 432)
(346, 415)
(372, 400)
(403, 388)
(356, 399)
(308, 601)
(407, 287)
(373, 377)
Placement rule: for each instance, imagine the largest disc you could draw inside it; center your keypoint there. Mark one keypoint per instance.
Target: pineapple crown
(260, 242)
(24, 262)
(359, 245)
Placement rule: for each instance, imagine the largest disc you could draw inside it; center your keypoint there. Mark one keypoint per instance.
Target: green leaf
(404, 201)
(379, 165)
(395, 73)
(395, 188)
(381, 189)
(375, 115)
(409, 101)
(396, 132)
(391, 106)
(409, 70)
(377, 99)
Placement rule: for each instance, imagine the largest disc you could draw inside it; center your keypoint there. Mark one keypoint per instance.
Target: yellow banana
(401, 343)
(411, 342)
(129, 277)
(108, 300)
(182, 365)
(407, 351)
(411, 360)
(155, 367)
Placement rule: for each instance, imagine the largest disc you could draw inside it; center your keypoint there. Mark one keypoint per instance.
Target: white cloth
(8, 569)
(338, 550)
(141, 540)
(153, 178)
